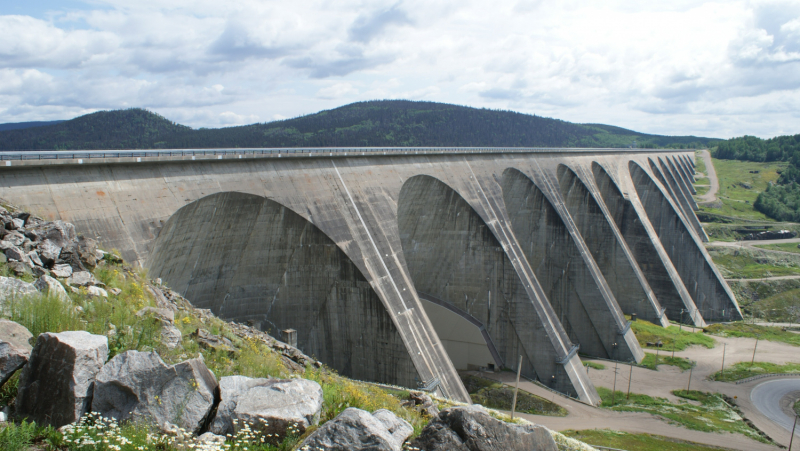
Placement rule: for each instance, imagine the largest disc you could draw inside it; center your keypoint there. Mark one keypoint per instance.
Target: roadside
(711, 173)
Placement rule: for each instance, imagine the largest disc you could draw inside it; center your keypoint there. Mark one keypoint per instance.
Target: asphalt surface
(775, 399)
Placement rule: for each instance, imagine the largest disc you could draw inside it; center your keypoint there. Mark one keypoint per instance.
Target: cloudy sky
(718, 69)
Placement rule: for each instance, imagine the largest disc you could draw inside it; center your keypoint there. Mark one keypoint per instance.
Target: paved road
(775, 399)
(711, 173)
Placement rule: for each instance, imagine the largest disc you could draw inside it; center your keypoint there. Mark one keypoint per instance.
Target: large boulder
(80, 254)
(47, 284)
(269, 406)
(471, 428)
(49, 252)
(55, 387)
(140, 385)
(357, 430)
(14, 288)
(15, 348)
(83, 279)
(59, 233)
(61, 271)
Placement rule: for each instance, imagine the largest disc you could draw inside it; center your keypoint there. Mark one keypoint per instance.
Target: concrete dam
(405, 265)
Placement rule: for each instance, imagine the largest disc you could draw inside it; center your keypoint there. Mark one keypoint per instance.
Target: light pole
(791, 439)
(754, 351)
(688, 386)
(724, 347)
(614, 391)
(680, 324)
(630, 378)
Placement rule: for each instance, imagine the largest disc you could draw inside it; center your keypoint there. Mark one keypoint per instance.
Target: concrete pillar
(671, 188)
(680, 168)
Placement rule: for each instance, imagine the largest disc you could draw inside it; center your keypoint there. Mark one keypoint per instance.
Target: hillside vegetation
(781, 199)
(363, 124)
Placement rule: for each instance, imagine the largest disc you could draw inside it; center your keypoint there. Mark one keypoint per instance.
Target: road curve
(711, 195)
(767, 397)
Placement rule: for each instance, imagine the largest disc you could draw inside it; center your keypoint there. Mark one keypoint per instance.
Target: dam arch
(250, 259)
(561, 270)
(711, 295)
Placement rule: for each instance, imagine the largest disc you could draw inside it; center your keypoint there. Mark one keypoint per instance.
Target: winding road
(711, 173)
(775, 399)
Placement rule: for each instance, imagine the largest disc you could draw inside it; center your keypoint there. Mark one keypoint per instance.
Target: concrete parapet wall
(545, 249)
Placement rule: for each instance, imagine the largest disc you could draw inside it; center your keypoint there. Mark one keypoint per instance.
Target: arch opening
(250, 259)
(632, 294)
(457, 264)
(714, 300)
(562, 271)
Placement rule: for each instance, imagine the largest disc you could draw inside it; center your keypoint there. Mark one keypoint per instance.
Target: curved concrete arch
(680, 168)
(677, 174)
(609, 250)
(453, 256)
(671, 186)
(250, 259)
(651, 257)
(591, 318)
(712, 296)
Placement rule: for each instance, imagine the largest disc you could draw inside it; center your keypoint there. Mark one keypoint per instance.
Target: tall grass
(682, 338)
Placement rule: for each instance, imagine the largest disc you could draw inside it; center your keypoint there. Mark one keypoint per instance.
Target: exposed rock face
(62, 271)
(357, 430)
(47, 284)
(170, 335)
(11, 287)
(83, 279)
(55, 387)
(140, 385)
(268, 405)
(471, 428)
(81, 254)
(15, 348)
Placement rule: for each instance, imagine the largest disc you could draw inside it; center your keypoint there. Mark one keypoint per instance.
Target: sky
(715, 69)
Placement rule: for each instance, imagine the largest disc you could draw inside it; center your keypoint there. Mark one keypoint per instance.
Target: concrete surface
(314, 242)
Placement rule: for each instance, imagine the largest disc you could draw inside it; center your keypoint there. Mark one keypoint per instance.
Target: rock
(140, 385)
(14, 253)
(355, 429)
(59, 233)
(3, 258)
(269, 406)
(62, 271)
(55, 387)
(83, 279)
(15, 348)
(15, 238)
(19, 268)
(80, 254)
(115, 291)
(11, 287)
(210, 341)
(471, 428)
(99, 255)
(170, 335)
(38, 271)
(161, 314)
(424, 403)
(33, 257)
(49, 252)
(15, 224)
(211, 439)
(47, 284)
(96, 291)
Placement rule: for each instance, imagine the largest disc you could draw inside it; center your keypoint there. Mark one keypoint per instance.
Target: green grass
(696, 410)
(743, 263)
(702, 181)
(743, 370)
(23, 436)
(638, 442)
(647, 332)
(785, 247)
(594, 365)
(496, 395)
(772, 300)
(700, 163)
(652, 361)
(741, 329)
(739, 187)
(701, 190)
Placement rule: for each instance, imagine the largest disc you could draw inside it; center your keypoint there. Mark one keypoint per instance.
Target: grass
(23, 436)
(772, 300)
(702, 181)
(740, 182)
(743, 263)
(594, 365)
(638, 442)
(743, 370)
(696, 410)
(785, 247)
(721, 228)
(741, 329)
(797, 407)
(699, 163)
(652, 361)
(701, 190)
(495, 395)
(647, 332)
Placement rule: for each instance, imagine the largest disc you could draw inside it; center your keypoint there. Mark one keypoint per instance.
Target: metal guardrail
(762, 376)
(299, 151)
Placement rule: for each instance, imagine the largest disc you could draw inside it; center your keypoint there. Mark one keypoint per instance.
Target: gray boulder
(16, 254)
(357, 430)
(14, 238)
(471, 428)
(55, 387)
(83, 279)
(61, 271)
(170, 335)
(47, 284)
(270, 406)
(33, 257)
(81, 254)
(161, 314)
(96, 292)
(15, 348)
(13, 288)
(59, 233)
(49, 252)
(140, 385)
(20, 269)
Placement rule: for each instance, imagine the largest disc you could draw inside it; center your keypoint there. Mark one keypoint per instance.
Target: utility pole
(724, 347)
(688, 387)
(630, 378)
(614, 391)
(673, 348)
(754, 351)
(516, 388)
(791, 439)
(680, 324)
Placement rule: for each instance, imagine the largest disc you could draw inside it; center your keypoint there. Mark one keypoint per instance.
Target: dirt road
(711, 195)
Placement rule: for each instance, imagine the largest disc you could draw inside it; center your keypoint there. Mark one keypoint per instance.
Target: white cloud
(718, 68)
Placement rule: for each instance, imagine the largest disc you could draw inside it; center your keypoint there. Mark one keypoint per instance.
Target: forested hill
(780, 201)
(374, 123)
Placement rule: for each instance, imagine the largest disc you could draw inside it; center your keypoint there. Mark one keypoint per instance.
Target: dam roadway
(531, 252)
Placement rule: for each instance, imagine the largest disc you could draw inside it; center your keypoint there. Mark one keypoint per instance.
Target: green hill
(362, 124)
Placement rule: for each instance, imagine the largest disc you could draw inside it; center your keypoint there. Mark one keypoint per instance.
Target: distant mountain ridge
(21, 125)
(382, 123)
